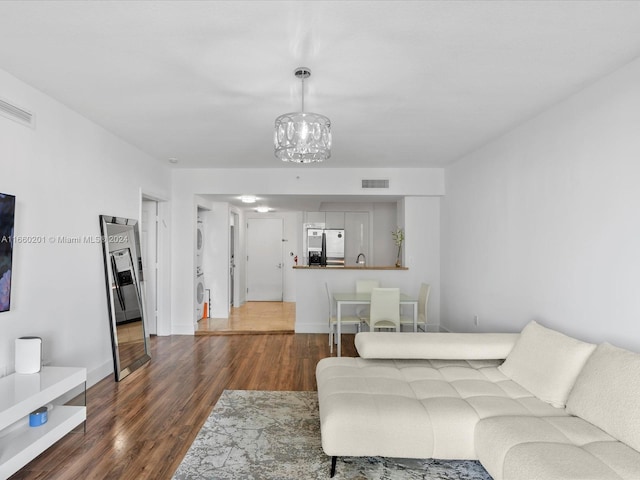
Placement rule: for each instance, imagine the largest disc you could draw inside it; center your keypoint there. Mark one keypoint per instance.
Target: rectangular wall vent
(375, 183)
(18, 114)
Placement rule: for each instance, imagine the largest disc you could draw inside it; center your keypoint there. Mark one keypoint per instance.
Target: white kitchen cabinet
(357, 238)
(335, 220)
(316, 218)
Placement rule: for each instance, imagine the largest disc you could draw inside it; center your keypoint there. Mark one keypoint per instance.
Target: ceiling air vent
(375, 183)
(18, 114)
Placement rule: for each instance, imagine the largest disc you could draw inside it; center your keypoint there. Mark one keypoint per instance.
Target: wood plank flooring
(252, 317)
(142, 427)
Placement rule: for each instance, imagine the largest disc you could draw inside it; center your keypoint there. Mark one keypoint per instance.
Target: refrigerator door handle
(114, 269)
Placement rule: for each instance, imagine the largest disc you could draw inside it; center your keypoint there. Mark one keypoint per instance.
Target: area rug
(258, 435)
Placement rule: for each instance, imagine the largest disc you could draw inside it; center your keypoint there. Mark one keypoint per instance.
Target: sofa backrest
(435, 346)
(607, 393)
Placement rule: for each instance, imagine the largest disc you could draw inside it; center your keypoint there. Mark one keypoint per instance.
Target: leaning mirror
(123, 277)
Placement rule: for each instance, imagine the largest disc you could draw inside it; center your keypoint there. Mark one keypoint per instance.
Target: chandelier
(302, 137)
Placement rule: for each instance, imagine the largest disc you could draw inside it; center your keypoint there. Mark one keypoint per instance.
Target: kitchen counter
(350, 267)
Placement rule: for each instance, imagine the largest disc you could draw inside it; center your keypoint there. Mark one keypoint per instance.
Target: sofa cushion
(548, 448)
(621, 458)
(550, 461)
(414, 408)
(546, 363)
(607, 393)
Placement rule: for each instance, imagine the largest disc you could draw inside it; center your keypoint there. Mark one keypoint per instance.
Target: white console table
(21, 394)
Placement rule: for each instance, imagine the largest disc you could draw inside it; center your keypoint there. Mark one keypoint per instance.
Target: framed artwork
(7, 213)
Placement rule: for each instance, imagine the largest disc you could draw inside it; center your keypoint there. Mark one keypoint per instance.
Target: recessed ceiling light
(173, 160)
(248, 199)
(262, 209)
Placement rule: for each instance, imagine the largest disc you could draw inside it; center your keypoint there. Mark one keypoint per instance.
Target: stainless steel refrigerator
(326, 247)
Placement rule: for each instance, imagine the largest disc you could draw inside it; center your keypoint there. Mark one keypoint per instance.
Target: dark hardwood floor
(142, 427)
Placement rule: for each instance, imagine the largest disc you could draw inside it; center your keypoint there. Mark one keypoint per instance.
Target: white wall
(384, 222)
(65, 173)
(422, 249)
(189, 184)
(543, 223)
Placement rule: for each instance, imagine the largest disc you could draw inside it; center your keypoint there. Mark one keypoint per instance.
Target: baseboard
(182, 330)
(436, 328)
(321, 328)
(100, 372)
(324, 328)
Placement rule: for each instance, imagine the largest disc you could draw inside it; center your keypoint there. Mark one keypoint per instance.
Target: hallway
(252, 318)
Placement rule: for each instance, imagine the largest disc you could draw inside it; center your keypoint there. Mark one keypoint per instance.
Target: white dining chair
(385, 309)
(423, 301)
(333, 320)
(365, 286)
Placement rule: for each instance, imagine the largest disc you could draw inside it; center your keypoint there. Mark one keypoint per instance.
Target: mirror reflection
(123, 277)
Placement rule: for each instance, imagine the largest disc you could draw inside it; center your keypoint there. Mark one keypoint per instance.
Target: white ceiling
(405, 83)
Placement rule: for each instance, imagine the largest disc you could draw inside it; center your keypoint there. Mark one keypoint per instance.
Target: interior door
(149, 247)
(232, 264)
(264, 259)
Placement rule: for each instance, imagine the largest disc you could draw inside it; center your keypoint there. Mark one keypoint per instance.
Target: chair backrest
(423, 300)
(365, 286)
(385, 308)
(326, 286)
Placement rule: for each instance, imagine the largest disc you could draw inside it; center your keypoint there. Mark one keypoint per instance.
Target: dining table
(355, 298)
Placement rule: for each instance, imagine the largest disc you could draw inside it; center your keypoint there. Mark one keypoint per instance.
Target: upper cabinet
(325, 219)
(317, 218)
(335, 220)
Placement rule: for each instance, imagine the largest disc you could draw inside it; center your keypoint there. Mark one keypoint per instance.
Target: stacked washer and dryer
(200, 290)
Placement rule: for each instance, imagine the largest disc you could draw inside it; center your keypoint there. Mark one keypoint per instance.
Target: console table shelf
(20, 394)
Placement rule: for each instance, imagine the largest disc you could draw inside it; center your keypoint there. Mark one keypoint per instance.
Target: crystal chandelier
(302, 137)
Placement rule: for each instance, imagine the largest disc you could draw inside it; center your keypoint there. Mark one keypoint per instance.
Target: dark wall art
(7, 213)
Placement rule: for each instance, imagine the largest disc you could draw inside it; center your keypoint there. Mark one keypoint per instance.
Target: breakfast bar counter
(351, 267)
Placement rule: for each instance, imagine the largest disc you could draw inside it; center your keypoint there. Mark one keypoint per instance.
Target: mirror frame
(121, 371)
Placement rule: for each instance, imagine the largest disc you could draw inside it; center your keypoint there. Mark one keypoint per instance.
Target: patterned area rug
(261, 435)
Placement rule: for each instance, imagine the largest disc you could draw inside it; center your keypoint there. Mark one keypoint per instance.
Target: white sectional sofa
(534, 405)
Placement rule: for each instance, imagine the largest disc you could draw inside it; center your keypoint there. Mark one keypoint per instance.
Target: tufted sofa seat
(528, 406)
(414, 408)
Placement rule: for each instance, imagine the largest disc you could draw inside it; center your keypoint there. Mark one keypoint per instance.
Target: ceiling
(405, 83)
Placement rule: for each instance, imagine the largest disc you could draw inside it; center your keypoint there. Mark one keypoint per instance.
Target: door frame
(163, 296)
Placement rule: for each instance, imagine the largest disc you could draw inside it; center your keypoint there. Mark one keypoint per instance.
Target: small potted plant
(398, 238)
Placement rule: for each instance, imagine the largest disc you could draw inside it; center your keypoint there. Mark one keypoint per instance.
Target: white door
(149, 246)
(232, 264)
(264, 259)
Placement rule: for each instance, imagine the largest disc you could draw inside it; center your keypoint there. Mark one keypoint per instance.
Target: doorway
(264, 259)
